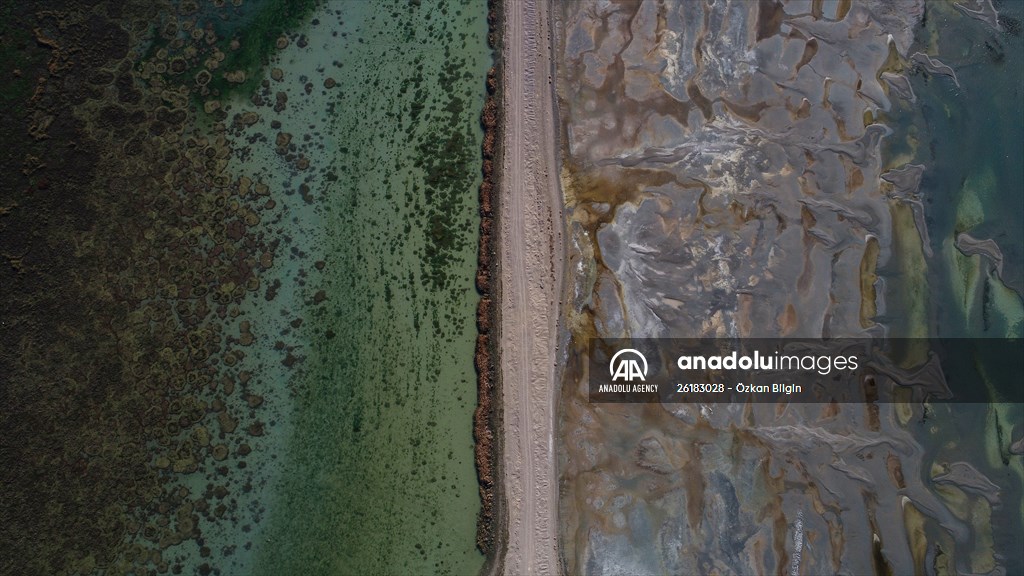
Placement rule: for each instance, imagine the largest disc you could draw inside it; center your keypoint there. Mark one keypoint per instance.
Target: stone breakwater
(486, 417)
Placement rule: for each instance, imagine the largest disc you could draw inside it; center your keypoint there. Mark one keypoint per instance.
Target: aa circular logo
(628, 365)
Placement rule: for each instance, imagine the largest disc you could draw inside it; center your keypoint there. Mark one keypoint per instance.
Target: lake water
(369, 466)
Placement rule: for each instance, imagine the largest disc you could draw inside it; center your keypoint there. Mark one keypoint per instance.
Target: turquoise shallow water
(371, 469)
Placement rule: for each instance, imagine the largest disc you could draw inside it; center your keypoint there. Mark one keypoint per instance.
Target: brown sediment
(487, 416)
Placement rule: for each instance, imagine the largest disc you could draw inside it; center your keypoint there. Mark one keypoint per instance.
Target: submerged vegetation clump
(128, 249)
(257, 40)
(224, 50)
(448, 159)
(155, 205)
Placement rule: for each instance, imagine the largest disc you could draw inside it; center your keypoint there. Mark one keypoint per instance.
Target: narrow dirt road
(531, 276)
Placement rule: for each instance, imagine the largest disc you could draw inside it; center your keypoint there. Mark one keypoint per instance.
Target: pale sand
(531, 263)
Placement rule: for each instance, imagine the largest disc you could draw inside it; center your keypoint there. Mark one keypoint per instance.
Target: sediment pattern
(725, 178)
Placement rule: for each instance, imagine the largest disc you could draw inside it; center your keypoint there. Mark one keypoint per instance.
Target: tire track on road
(530, 229)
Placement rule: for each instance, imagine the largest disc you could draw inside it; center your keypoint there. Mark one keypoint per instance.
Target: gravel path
(531, 284)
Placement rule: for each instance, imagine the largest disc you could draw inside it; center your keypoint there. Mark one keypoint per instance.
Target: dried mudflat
(729, 172)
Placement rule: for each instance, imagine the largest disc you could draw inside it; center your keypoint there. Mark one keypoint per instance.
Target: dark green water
(971, 141)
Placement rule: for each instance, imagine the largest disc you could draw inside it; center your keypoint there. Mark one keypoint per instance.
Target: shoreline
(491, 539)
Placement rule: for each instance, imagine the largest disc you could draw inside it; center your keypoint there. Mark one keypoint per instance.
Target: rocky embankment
(486, 418)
